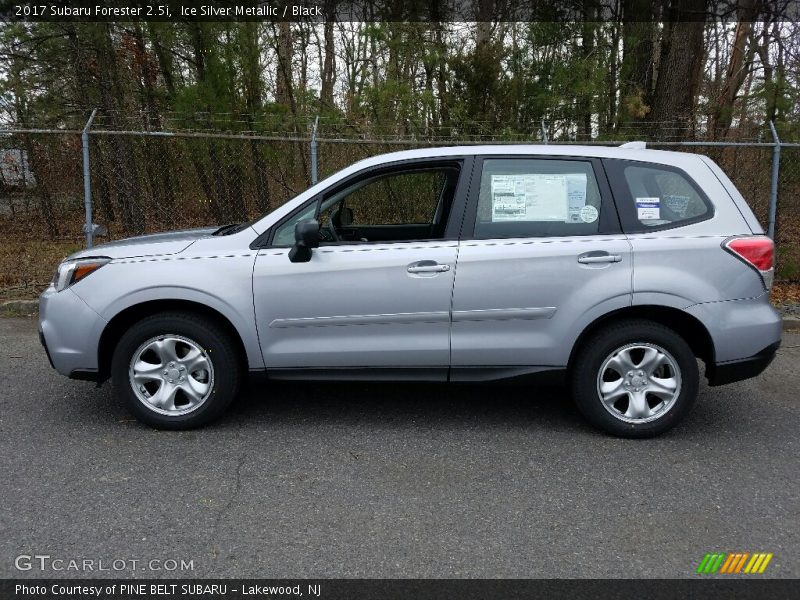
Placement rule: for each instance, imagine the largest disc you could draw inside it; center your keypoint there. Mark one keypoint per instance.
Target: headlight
(72, 271)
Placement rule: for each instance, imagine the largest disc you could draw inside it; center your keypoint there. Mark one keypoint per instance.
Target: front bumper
(46, 351)
(743, 368)
(70, 333)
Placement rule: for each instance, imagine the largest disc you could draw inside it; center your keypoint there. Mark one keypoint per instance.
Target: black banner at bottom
(390, 589)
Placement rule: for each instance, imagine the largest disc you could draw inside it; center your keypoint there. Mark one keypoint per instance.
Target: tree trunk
(165, 64)
(672, 114)
(253, 93)
(738, 68)
(158, 159)
(584, 100)
(441, 80)
(219, 211)
(263, 196)
(100, 166)
(284, 93)
(85, 93)
(42, 175)
(636, 70)
(112, 100)
(611, 80)
(283, 67)
(773, 73)
(329, 64)
(236, 209)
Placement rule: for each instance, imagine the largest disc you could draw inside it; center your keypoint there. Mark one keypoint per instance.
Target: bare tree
(680, 64)
(739, 65)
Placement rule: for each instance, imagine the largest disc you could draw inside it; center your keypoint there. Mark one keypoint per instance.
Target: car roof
(571, 150)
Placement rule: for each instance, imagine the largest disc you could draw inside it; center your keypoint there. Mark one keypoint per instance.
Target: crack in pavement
(237, 488)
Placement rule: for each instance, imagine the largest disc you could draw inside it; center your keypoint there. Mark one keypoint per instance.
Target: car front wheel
(635, 379)
(176, 370)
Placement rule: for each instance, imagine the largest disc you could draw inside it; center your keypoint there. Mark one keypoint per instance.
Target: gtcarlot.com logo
(45, 562)
(733, 563)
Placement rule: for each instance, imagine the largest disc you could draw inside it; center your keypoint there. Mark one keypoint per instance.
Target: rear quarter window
(653, 197)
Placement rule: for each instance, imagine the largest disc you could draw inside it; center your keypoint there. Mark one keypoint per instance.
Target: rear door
(541, 256)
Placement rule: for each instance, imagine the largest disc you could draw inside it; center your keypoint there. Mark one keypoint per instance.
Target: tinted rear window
(656, 196)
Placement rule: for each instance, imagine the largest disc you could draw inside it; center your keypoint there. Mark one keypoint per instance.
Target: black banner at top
(394, 10)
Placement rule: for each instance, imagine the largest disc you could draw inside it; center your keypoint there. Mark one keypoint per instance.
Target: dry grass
(26, 266)
(785, 293)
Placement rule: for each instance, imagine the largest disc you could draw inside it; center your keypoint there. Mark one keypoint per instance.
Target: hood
(155, 244)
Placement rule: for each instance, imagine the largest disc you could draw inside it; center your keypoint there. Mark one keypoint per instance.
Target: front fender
(224, 285)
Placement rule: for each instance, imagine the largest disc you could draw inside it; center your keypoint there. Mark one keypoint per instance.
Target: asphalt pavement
(389, 480)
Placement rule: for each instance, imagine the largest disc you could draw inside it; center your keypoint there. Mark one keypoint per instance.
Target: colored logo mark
(734, 562)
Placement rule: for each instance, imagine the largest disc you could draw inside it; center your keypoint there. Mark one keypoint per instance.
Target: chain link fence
(146, 182)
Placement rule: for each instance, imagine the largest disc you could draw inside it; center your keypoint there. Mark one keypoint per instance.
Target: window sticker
(576, 195)
(677, 204)
(648, 209)
(588, 214)
(529, 197)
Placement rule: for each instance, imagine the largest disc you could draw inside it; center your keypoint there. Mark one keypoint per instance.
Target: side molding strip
(389, 319)
(491, 314)
(504, 314)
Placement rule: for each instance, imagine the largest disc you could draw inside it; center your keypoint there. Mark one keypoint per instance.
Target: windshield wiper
(230, 229)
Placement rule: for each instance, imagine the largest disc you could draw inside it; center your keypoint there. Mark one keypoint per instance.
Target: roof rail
(634, 145)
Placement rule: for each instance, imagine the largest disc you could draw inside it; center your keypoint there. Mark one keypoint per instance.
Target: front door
(376, 294)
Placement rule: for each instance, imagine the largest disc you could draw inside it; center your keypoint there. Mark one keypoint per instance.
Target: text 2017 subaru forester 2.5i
(617, 267)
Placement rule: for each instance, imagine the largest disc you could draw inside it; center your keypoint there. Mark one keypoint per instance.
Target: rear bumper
(743, 368)
(740, 329)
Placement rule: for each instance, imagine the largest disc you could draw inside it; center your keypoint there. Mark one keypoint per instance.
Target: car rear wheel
(635, 379)
(176, 370)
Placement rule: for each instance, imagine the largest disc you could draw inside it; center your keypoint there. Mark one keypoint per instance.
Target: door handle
(592, 258)
(427, 266)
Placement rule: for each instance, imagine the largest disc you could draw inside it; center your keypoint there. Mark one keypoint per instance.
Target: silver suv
(616, 268)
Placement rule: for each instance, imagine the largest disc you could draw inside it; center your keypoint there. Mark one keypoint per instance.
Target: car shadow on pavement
(513, 405)
(381, 403)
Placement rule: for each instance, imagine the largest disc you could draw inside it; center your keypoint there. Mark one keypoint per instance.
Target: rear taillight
(758, 251)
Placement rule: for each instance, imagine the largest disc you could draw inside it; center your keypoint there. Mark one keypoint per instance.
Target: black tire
(591, 356)
(221, 352)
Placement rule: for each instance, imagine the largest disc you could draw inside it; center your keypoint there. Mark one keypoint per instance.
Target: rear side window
(522, 197)
(656, 196)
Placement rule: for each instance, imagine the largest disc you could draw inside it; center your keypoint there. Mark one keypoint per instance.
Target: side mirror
(306, 237)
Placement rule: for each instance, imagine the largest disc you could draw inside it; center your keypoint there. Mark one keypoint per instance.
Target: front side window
(399, 199)
(407, 205)
(284, 235)
(522, 197)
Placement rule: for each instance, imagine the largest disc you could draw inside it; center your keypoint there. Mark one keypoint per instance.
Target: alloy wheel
(171, 375)
(639, 382)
